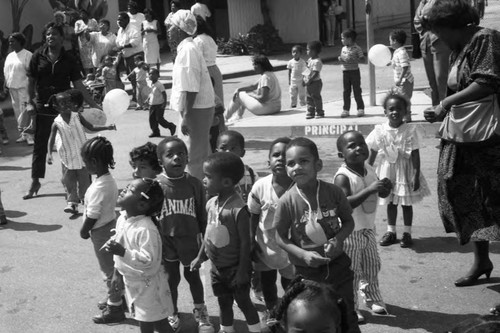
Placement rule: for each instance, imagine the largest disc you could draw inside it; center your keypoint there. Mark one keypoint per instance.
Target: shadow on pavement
(14, 213)
(13, 168)
(446, 245)
(29, 226)
(409, 319)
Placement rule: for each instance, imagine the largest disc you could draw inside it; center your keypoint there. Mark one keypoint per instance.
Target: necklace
(219, 209)
(172, 178)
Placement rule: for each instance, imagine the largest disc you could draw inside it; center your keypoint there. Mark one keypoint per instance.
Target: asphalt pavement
(49, 277)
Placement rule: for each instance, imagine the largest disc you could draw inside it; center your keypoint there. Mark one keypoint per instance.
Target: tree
(266, 14)
(17, 8)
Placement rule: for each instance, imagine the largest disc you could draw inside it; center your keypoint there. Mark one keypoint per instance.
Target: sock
(407, 228)
(228, 329)
(114, 303)
(255, 328)
(199, 306)
(391, 228)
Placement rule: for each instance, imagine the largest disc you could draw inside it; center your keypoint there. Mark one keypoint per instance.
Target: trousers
(76, 182)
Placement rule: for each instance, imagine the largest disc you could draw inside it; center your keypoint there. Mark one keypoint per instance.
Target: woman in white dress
(150, 44)
(102, 42)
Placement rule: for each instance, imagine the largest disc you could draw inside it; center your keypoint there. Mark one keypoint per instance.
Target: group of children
(319, 236)
(305, 81)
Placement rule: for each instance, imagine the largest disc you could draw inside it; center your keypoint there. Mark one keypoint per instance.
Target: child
(234, 142)
(312, 219)
(144, 161)
(296, 67)
(137, 248)
(3, 218)
(218, 124)
(67, 132)
(403, 78)
(361, 186)
(157, 100)
(309, 306)
(99, 219)
(398, 145)
(350, 56)
(140, 74)
(268, 257)
(3, 130)
(183, 221)
(312, 81)
(110, 74)
(227, 240)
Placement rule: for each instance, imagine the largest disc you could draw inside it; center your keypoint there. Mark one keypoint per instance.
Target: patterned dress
(469, 176)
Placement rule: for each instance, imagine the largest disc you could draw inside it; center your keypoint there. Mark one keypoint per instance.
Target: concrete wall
(386, 13)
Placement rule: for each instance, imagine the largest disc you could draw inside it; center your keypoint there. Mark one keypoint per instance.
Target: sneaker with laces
(361, 113)
(22, 138)
(379, 308)
(111, 314)
(388, 238)
(175, 322)
(29, 140)
(203, 320)
(309, 116)
(71, 208)
(320, 115)
(344, 114)
(406, 240)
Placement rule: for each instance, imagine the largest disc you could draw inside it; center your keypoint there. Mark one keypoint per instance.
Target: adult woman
(261, 98)
(192, 91)
(435, 54)
(102, 41)
(129, 42)
(82, 26)
(175, 5)
(208, 48)
(70, 41)
(136, 18)
(329, 19)
(16, 80)
(51, 70)
(150, 44)
(468, 176)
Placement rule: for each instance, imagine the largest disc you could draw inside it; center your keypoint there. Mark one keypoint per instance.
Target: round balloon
(94, 116)
(379, 55)
(115, 103)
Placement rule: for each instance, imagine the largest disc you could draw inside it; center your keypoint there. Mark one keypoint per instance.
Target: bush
(261, 39)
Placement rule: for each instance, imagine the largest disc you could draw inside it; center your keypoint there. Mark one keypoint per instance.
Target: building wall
(385, 13)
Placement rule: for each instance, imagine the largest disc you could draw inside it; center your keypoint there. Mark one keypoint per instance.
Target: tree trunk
(266, 15)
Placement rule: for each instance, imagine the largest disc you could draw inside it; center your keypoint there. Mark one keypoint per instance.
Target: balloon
(115, 103)
(379, 55)
(94, 116)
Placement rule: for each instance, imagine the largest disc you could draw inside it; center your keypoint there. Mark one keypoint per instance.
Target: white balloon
(94, 116)
(115, 103)
(379, 55)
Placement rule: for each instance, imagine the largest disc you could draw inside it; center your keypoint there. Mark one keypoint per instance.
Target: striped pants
(361, 247)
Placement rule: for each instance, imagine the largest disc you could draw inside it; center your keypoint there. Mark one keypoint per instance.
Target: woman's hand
(184, 127)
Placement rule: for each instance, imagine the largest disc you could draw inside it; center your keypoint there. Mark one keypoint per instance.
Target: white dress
(394, 146)
(150, 43)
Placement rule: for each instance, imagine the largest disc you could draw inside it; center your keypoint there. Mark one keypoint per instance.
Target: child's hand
(49, 158)
(416, 182)
(314, 259)
(196, 264)
(333, 248)
(377, 186)
(115, 248)
(84, 233)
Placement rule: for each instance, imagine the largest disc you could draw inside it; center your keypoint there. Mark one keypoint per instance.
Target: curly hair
(398, 35)
(305, 143)
(395, 94)
(454, 14)
(315, 45)
(226, 164)
(146, 152)
(283, 139)
(100, 149)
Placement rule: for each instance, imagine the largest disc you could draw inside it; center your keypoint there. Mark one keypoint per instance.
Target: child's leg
(159, 112)
(294, 90)
(302, 94)
(3, 131)
(353, 247)
(174, 278)
(226, 310)
(69, 181)
(153, 122)
(242, 297)
(356, 87)
(316, 95)
(370, 265)
(392, 215)
(195, 285)
(407, 91)
(256, 283)
(234, 106)
(347, 90)
(311, 106)
(407, 218)
(84, 182)
(269, 288)
(147, 326)
(3, 218)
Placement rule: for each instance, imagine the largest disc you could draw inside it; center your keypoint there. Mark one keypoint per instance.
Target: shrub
(261, 39)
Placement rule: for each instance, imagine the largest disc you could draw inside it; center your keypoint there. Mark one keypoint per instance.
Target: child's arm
(88, 224)
(403, 75)
(201, 257)
(245, 264)
(415, 160)
(312, 76)
(289, 76)
(132, 75)
(164, 94)
(52, 138)
(254, 224)
(94, 128)
(334, 246)
(357, 199)
(373, 156)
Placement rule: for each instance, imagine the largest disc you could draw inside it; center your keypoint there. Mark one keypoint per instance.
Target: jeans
(156, 117)
(42, 134)
(352, 79)
(314, 100)
(436, 63)
(76, 182)
(100, 236)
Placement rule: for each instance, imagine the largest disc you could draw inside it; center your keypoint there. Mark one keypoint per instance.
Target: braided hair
(101, 149)
(310, 291)
(153, 196)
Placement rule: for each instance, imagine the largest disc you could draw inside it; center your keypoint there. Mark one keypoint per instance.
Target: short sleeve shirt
(156, 94)
(315, 65)
(268, 79)
(297, 67)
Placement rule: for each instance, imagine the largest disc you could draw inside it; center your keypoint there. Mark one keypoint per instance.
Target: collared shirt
(52, 77)
(190, 74)
(16, 69)
(130, 35)
(101, 45)
(400, 60)
(136, 20)
(208, 48)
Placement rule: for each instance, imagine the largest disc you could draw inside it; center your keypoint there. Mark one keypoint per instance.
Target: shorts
(183, 249)
(224, 281)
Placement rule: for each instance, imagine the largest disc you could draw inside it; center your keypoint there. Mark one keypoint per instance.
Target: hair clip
(145, 195)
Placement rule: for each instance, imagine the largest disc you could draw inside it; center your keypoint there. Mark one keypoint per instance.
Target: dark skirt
(469, 191)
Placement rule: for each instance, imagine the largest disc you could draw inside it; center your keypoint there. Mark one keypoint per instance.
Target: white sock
(114, 303)
(407, 228)
(391, 228)
(255, 328)
(228, 329)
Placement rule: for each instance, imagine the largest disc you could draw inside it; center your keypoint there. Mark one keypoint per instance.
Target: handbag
(472, 122)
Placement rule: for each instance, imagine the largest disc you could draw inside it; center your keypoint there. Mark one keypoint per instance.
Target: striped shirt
(400, 60)
(351, 55)
(69, 141)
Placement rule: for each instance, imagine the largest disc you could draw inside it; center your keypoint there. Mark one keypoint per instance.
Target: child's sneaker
(3, 220)
(71, 208)
(388, 238)
(309, 115)
(320, 115)
(361, 113)
(175, 322)
(406, 240)
(203, 320)
(361, 318)
(344, 114)
(5, 141)
(29, 140)
(379, 308)
(111, 314)
(293, 106)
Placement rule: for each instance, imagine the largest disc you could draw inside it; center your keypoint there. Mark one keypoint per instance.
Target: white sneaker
(21, 138)
(203, 320)
(29, 140)
(379, 308)
(361, 318)
(175, 322)
(71, 208)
